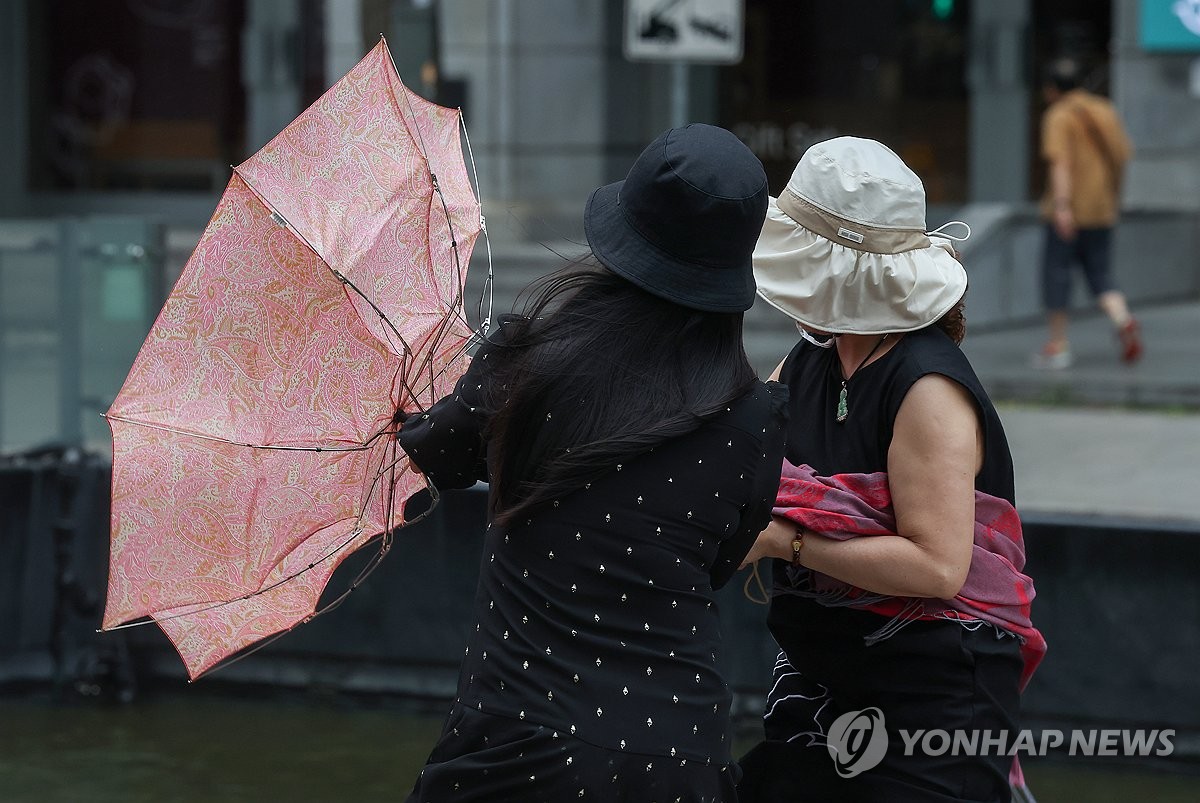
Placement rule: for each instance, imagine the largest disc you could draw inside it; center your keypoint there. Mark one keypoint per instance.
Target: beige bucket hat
(844, 248)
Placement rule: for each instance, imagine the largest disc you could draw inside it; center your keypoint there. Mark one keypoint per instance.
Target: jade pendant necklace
(843, 408)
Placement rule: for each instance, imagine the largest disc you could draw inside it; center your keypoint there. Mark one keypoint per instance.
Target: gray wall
(1163, 117)
(999, 84)
(533, 110)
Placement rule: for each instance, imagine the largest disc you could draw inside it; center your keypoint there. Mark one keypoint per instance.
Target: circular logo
(857, 741)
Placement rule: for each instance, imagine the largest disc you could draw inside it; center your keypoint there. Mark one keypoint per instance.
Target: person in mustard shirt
(1085, 147)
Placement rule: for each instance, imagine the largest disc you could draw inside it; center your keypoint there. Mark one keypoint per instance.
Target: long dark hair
(597, 371)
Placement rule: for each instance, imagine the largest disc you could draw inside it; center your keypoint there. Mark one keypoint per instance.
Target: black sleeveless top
(860, 445)
(874, 394)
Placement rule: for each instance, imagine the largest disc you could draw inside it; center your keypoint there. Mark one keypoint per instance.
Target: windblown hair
(954, 322)
(595, 372)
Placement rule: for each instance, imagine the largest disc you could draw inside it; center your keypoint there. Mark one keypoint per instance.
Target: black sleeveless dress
(928, 674)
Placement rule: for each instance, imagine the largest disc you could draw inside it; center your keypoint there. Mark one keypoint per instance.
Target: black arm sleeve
(765, 486)
(446, 441)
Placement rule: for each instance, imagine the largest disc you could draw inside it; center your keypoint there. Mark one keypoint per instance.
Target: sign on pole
(1170, 25)
(684, 30)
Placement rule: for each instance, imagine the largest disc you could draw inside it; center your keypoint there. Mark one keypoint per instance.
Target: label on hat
(853, 236)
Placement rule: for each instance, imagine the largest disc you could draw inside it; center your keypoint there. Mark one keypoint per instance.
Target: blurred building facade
(144, 107)
(122, 121)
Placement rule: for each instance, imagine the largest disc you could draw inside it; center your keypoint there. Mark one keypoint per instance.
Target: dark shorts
(930, 675)
(482, 757)
(1090, 250)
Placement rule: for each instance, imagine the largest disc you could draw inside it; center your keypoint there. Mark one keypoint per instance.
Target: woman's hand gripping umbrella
(254, 439)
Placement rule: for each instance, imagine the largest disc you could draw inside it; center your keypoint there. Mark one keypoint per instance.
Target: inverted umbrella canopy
(254, 438)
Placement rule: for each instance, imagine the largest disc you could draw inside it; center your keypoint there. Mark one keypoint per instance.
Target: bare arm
(1056, 149)
(1060, 193)
(935, 453)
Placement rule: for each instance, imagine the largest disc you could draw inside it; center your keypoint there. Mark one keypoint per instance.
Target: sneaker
(1131, 341)
(1052, 358)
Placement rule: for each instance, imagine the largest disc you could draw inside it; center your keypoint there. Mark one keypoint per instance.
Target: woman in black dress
(878, 384)
(632, 457)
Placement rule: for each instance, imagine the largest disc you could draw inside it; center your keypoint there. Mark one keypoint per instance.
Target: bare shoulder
(938, 425)
(935, 408)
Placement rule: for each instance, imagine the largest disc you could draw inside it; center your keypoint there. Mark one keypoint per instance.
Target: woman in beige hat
(878, 384)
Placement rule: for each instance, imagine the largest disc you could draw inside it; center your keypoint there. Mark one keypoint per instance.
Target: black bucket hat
(683, 223)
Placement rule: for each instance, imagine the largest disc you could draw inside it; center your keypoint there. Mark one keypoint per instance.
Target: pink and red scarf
(846, 506)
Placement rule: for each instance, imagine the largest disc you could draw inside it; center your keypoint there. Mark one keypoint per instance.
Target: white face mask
(807, 335)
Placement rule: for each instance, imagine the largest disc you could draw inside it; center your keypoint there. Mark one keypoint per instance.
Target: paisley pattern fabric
(253, 441)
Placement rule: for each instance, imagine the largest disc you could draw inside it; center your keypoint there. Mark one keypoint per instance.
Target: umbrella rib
(437, 189)
(485, 321)
(387, 462)
(407, 102)
(341, 277)
(366, 571)
(373, 564)
(476, 337)
(454, 307)
(201, 436)
(355, 533)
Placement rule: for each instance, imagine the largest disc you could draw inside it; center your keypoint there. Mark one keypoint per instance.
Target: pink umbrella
(254, 439)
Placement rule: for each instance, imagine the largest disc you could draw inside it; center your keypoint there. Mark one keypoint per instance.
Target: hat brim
(622, 249)
(830, 287)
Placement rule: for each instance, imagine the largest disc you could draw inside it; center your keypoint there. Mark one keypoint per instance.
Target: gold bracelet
(797, 545)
